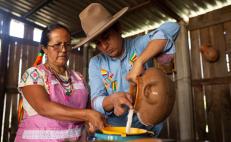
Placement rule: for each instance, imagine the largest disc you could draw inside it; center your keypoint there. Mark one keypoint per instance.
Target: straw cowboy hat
(95, 19)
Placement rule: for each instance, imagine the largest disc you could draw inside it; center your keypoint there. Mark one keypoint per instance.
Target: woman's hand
(90, 128)
(94, 119)
(136, 70)
(119, 100)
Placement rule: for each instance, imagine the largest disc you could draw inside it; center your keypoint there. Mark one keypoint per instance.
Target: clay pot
(209, 53)
(154, 96)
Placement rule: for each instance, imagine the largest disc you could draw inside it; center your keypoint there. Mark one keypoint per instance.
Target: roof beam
(20, 19)
(139, 6)
(36, 8)
(166, 9)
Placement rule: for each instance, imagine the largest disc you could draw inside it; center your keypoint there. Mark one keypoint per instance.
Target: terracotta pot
(154, 96)
(209, 53)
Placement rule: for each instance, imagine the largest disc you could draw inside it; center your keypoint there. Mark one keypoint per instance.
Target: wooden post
(3, 65)
(183, 78)
(85, 60)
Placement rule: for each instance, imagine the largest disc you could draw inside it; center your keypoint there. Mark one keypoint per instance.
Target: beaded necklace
(66, 84)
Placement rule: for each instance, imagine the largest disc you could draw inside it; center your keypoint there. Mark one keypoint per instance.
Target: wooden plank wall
(76, 61)
(211, 101)
(3, 65)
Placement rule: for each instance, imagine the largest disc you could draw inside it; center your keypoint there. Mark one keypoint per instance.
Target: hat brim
(103, 28)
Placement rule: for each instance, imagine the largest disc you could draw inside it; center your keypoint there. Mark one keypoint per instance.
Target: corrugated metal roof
(142, 13)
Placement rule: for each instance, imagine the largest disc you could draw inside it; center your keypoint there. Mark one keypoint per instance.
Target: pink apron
(39, 128)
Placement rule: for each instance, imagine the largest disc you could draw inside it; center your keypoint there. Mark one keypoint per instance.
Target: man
(120, 61)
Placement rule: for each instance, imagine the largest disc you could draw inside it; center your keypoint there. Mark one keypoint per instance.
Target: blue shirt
(108, 75)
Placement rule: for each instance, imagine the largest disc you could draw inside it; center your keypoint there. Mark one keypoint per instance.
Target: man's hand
(119, 100)
(136, 71)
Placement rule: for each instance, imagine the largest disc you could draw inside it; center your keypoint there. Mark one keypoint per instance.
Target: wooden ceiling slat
(61, 13)
(39, 19)
(126, 25)
(141, 5)
(11, 7)
(39, 15)
(155, 13)
(37, 7)
(116, 4)
(47, 12)
(200, 3)
(62, 8)
(125, 3)
(174, 8)
(167, 10)
(132, 2)
(21, 4)
(29, 3)
(111, 8)
(146, 11)
(76, 5)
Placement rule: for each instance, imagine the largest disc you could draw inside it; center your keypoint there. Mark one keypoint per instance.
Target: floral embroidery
(34, 75)
(25, 76)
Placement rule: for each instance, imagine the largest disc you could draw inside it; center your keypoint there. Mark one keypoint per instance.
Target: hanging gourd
(209, 53)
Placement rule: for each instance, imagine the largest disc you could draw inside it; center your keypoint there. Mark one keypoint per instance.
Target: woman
(54, 97)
